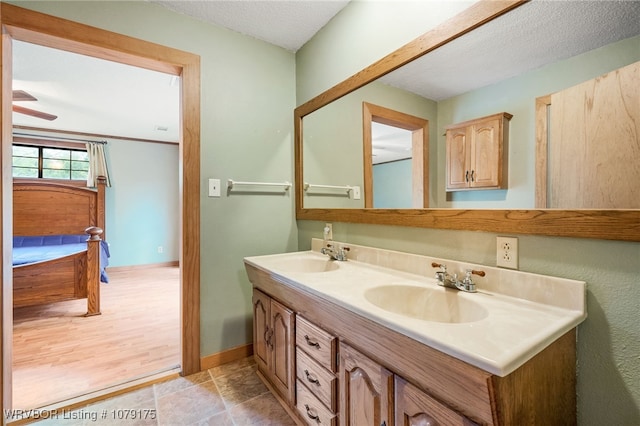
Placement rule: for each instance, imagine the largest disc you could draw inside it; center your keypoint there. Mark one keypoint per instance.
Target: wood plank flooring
(59, 354)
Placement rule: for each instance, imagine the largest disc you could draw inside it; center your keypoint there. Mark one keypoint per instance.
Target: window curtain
(97, 164)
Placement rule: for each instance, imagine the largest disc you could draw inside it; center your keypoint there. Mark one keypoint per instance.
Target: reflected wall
(332, 141)
(332, 135)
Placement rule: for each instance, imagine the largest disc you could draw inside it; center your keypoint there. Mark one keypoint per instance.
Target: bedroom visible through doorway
(57, 353)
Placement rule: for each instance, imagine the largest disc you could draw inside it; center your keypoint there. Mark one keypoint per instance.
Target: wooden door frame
(34, 27)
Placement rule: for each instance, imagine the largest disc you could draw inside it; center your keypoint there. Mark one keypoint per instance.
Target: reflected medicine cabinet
(477, 153)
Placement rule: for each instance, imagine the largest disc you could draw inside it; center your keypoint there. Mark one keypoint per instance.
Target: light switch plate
(214, 187)
(356, 192)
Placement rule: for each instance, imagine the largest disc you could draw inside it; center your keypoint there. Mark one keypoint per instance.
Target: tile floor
(231, 394)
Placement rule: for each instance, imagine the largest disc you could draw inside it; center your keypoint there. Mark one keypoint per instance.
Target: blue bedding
(34, 249)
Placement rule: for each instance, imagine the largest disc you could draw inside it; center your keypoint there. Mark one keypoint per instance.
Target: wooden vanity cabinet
(273, 347)
(387, 378)
(413, 407)
(366, 390)
(476, 153)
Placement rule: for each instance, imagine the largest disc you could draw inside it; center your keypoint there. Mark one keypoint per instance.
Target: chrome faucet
(335, 253)
(445, 279)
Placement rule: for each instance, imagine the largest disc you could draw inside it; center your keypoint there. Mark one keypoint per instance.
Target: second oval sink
(428, 304)
(307, 265)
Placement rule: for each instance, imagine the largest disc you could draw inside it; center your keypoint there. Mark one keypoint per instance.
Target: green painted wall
(608, 341)
(248, 95)
(142, 208)
(392, 185)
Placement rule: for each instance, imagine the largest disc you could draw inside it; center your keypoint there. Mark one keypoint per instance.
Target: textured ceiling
(533, 35)
(288, 24)
(95, 96)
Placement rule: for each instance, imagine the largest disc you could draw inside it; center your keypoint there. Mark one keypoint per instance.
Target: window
(49, 163)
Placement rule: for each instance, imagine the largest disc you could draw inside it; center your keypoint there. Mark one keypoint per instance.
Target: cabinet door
(486, 151)
(416, 408)
(366, 390)
(282, 350)
(457, 158)
(261, 329)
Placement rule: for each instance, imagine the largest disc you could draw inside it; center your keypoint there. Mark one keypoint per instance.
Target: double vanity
(374, 340)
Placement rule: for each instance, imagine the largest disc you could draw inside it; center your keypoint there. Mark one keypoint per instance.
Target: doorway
(418, 153)
(33, 27)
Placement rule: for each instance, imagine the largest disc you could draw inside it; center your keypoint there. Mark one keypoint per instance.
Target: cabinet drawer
(321, 382)
(311, 409)
(316, 342)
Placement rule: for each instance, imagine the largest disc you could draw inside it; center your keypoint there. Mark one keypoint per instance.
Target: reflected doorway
(397, 144)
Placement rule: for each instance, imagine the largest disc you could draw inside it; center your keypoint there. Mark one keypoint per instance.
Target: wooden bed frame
(50, 208)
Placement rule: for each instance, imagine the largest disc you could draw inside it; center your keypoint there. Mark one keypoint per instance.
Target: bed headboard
(49, 208)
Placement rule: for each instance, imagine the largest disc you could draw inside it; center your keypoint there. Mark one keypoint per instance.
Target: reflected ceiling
(581, 25)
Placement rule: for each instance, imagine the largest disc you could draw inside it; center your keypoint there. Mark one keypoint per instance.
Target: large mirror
(437, 87)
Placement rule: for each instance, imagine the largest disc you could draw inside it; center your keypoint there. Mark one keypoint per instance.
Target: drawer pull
(311, 342)
(311, 379)
(310, 413)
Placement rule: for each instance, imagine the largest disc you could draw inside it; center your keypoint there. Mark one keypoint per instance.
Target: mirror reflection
(391, 166)
(503, 66)
(396, 152)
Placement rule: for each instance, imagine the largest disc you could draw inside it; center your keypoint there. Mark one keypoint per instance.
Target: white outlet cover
(329, 231)
(507, 252)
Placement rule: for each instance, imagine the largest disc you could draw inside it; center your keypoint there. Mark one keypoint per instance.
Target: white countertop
(514, 330)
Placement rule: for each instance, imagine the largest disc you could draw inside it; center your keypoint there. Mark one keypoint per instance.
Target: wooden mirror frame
(592, 223)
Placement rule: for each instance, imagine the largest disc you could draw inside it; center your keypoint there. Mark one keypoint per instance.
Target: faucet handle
(442, 266)
(468, 283)
(441, 274)
(477, 272)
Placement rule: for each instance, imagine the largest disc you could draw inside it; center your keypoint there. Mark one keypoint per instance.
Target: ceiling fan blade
(21, 95)
(34, 113)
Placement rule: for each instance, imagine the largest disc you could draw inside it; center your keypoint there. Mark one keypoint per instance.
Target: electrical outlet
(507, 252)
(328, 231)
(160, 249)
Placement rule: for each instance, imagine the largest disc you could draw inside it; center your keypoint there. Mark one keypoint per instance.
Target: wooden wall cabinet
(477, 154)
(273, 332)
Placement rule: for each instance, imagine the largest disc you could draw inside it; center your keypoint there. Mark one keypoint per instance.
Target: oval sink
(307, 265)
(428, 304)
